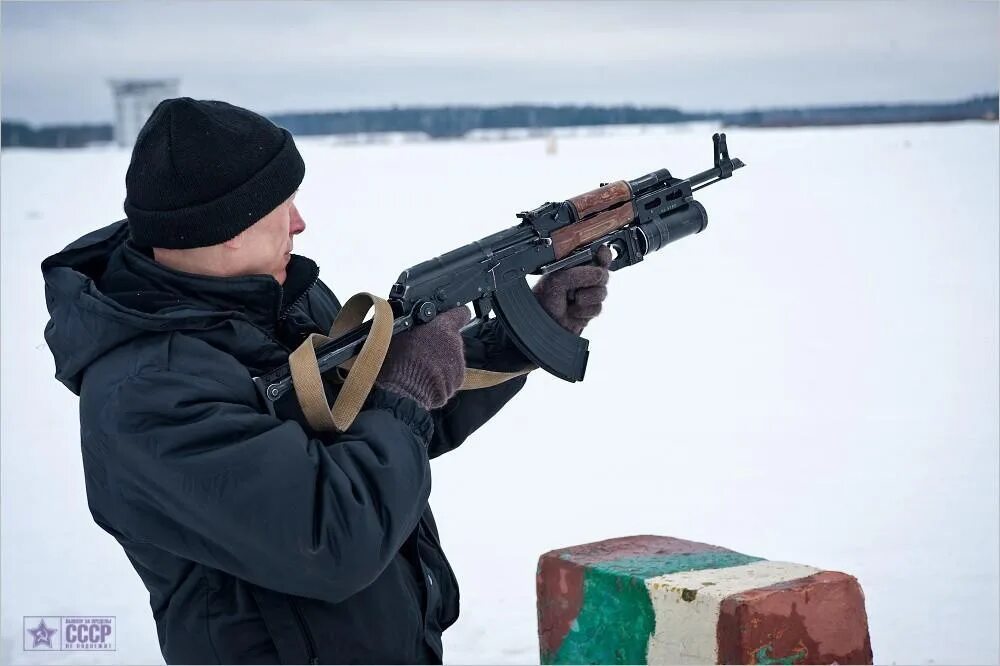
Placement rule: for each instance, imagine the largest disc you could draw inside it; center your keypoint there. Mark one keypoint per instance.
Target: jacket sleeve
(203, 474)
(487, 347)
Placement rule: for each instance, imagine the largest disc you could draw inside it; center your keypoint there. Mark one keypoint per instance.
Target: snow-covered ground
(812, 379)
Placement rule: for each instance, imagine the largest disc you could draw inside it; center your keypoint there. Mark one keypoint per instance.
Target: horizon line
(420, 107)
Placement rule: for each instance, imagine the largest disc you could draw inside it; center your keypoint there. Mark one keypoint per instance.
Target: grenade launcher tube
(690, 219)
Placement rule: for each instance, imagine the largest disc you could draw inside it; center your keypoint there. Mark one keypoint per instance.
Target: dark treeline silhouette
(457, 121)
(53, 136)
(977, 108)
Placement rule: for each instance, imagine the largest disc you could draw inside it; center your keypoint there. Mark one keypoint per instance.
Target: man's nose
(297, 225)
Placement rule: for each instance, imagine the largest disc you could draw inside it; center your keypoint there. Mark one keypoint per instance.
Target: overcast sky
(302, 56)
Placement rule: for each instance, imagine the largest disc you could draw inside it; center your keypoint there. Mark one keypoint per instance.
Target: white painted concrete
(686, 630)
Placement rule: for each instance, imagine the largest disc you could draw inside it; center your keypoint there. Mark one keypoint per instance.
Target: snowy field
(812, 379)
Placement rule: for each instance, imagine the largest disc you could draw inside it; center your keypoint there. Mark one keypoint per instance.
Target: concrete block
(660, 600)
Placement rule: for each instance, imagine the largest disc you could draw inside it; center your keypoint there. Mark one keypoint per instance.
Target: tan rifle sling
(364, 367)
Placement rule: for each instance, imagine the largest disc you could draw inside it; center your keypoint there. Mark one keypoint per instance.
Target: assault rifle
(633, 217)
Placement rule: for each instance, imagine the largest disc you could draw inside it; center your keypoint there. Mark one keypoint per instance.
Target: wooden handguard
(600, 199)
(616, 196)
(567, 239)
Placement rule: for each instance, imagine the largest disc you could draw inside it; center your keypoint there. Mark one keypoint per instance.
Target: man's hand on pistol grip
(427, 363)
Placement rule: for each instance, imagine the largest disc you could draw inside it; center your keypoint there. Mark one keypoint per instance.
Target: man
(258, 540)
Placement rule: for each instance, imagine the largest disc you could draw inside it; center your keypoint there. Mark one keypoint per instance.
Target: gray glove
(427, 363)
(573, 296)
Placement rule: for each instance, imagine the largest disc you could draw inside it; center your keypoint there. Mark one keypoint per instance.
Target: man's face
(266, 246)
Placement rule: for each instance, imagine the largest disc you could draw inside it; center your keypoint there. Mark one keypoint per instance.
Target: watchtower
(135, 101)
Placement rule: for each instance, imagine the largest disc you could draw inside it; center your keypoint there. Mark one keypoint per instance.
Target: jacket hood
(101, 291)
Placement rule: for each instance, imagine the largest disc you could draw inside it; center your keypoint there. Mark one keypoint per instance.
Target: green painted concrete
(613, 626)
(617, 617)
(649, 566)
(762, 657)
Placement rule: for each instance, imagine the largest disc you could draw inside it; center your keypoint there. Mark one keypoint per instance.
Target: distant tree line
(457, 121)
(977, 108)
(15, 133)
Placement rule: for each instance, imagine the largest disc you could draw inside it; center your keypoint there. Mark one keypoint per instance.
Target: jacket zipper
(310, 645)
(302, 296)
(284, 313)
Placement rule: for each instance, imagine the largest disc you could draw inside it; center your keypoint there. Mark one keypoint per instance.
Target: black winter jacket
(258, 540)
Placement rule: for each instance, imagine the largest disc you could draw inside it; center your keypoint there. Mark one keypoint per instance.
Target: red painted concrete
(560, 596)
(631, 546)
(822, 615)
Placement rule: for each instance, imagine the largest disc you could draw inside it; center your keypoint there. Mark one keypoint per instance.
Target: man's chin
(282, 272)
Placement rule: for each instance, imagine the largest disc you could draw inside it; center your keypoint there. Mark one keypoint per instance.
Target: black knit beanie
(203, 171)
